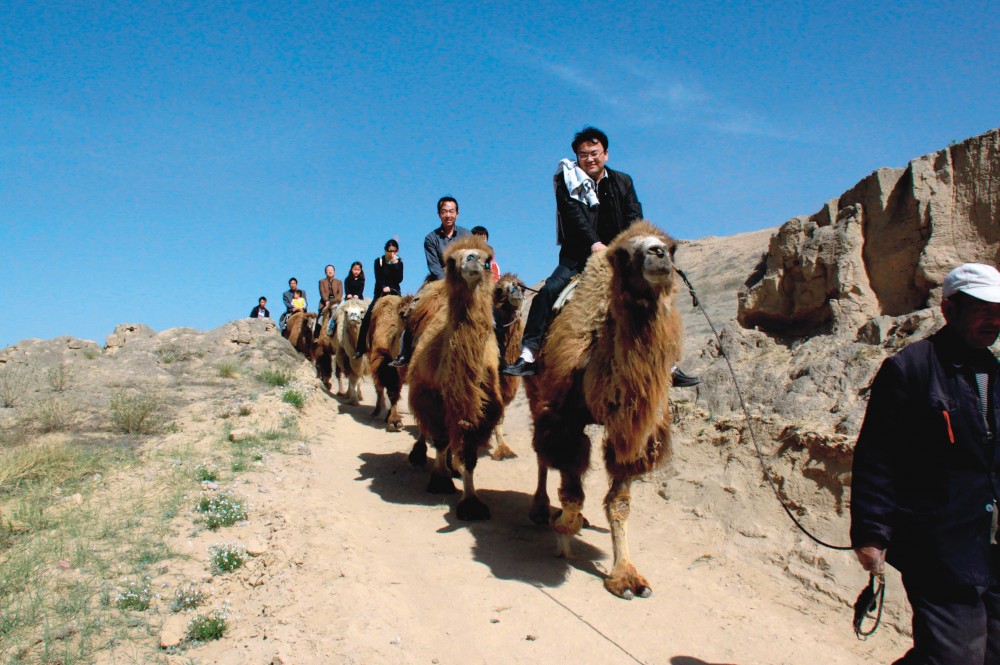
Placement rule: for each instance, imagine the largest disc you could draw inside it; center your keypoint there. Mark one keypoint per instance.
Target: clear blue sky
(168, 163)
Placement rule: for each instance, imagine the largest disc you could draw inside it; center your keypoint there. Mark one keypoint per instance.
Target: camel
(606, 359)
(323, 347)
(508, 296)
(298, 331)
(454, 373)
(383, 345)
(348, 316)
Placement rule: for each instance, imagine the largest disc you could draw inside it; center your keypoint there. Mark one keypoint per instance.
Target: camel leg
(624, 580)
(418, 455)
(501, 451)
(440, 481)
(379, 401)
(394, 423)
(353, 390)
(569, 520)
(471, 507)
(340, 380)
(540, 512)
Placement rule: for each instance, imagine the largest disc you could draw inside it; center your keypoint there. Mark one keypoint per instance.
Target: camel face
(650, 260)
(510, 292)
(472, 263)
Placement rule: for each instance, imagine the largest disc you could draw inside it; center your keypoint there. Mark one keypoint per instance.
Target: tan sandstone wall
(883, 247)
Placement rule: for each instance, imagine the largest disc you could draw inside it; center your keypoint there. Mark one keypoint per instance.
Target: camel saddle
(566, 294)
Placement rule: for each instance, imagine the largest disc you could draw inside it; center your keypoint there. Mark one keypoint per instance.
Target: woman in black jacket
(388, 277)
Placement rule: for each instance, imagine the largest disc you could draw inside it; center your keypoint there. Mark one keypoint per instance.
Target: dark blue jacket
(925, 478)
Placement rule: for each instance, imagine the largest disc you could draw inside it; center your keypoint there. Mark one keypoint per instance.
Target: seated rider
(331, 290)
(294, 299)
(593, 205)
(434, 245)
(388, 278)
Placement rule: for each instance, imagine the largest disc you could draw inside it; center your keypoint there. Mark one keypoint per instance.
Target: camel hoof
(397, 426)
(418, 456)
(472, 509)
(441, 485)
(628, 585)
(627, 594)
(540, 515)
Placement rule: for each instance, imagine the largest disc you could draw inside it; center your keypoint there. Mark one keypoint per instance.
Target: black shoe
(682, 380)
(521, 368)
(399, 361)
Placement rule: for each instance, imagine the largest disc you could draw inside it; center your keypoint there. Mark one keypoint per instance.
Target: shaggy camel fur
(508, 297)
(606, 359)
(384, 334)
(298, 331)
(345, 341)
(454, 373)
(323, 347)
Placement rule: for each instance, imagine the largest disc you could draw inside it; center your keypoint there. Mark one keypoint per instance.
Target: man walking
(926, 476)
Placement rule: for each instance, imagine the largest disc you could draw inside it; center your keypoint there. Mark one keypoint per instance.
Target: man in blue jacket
(926, 477)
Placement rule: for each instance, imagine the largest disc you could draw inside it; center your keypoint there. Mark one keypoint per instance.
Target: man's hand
(872, 558)
(597, 246)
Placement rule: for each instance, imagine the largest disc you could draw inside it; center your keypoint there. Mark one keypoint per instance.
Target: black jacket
(387, 274)
(577, 222)
(924, 483)
(256, 310)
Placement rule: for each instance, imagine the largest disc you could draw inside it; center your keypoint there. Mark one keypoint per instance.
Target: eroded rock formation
(882, 248)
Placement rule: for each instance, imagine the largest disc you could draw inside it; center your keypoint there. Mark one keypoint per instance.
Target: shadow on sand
(509, 544)
(689, 660)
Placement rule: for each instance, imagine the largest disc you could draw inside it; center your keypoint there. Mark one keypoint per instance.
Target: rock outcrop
(882, 248)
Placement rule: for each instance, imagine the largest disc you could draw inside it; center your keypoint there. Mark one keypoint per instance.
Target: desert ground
(354, 562)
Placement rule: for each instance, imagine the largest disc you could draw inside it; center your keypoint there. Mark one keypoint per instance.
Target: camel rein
(869, 602)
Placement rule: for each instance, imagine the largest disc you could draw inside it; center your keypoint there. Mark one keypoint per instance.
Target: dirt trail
(363, 566)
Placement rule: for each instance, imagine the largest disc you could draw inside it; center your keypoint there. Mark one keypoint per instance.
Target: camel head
(468, 259)
(642, 257)
(508, 293)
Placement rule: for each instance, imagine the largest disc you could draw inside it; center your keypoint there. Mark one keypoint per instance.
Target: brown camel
(298, 331)
(454, 373)
(508, 296)
(348, 316)
(323, 347)
(607, 359)
(383, 345)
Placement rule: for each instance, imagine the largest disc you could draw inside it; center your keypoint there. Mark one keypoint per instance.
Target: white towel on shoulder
(580, 185)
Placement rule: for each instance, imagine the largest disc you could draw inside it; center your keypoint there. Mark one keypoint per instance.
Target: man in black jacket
(593, 204)
(926, 477)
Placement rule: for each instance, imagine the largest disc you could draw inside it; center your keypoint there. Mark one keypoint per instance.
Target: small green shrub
(207, 471)
(245, 409)
(134, 595)
(13, 385)
(278, 378)
(53, 415)
(227, 557)
(90, 353)
(211, 626)
(134, 414)
(223, 509)
(294, 397)
(188, 596)
(59, 377)
(228, 370)
(171, 353)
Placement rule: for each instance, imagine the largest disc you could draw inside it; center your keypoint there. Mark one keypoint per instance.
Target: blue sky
(167, 163)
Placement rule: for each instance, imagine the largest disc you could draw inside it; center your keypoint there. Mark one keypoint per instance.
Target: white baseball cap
(975, 279)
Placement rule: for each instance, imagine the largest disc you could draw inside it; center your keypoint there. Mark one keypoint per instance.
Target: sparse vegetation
(294, 397)
(223, 509)
(59, 377)
(211, 626)
(207, 471)
(134, 595)
(90, 353)
(188, 596)
(53, 415)
(228, 370)
(227, 557)
(278, 378)
(134, 413)
(13, 384)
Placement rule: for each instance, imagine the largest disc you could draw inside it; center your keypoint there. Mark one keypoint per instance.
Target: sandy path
(365, 567)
